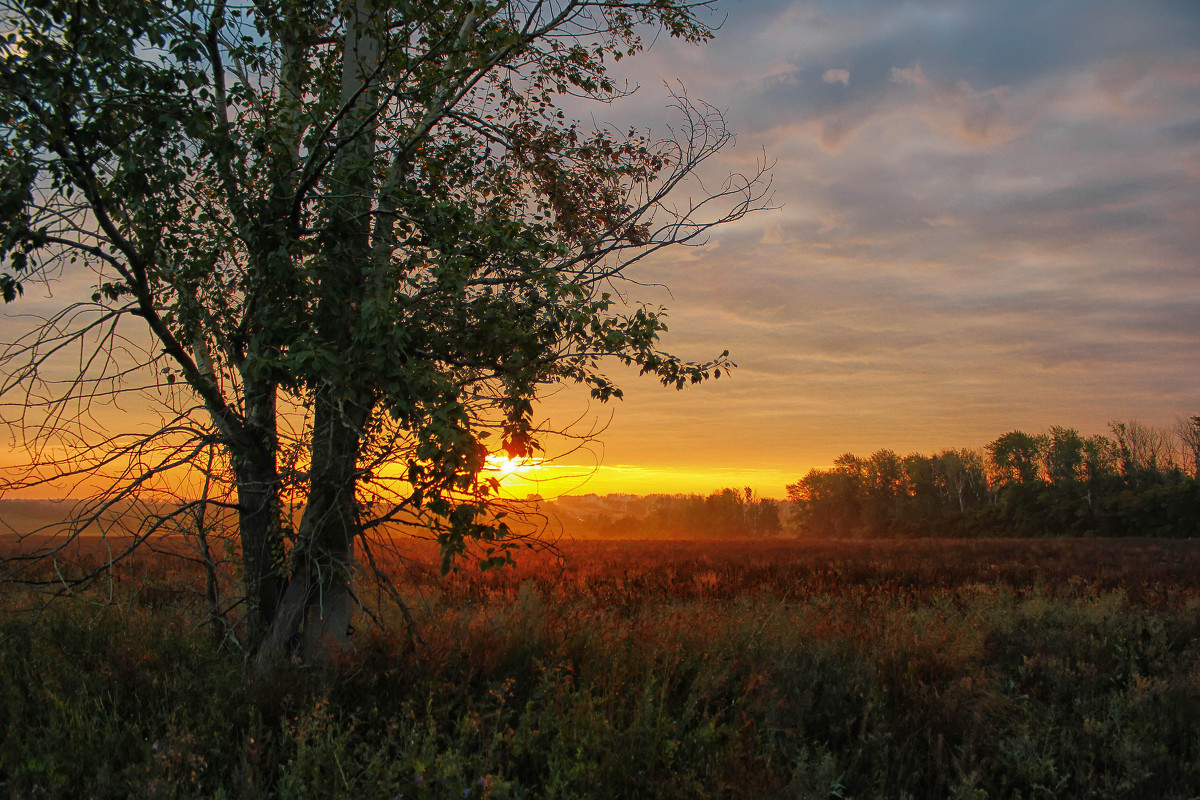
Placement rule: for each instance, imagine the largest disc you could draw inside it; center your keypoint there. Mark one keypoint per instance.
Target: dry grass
(739, 669)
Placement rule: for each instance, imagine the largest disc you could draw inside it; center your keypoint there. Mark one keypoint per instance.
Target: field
(673, 669)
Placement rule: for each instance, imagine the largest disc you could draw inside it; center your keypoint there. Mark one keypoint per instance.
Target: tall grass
(637, 675)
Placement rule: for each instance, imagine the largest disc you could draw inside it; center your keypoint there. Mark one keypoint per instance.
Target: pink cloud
(841, 76)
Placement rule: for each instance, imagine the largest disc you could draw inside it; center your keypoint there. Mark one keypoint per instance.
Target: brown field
(624, 570)
(778, 668)
(630, 571)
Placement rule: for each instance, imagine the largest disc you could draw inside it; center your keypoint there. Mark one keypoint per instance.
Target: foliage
(344, 245)
(1136, 483)
(800, 670)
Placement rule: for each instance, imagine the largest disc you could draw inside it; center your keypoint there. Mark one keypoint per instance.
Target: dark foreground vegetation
(936, 668)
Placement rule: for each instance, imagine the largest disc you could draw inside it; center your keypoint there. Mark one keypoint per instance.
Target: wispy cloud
(990, 219)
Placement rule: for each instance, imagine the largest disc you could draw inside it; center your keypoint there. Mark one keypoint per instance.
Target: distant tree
(765, 518)
(1143, 452)
(961, 477)
(921, 484)
(723, 514)
(853, 467)
(1065, 500)
(829, 502)
(884, 488)
(760, 515)
(1099, 459)
(884, 475)
(1016, 458)
(343, 244)
(1052, 484)
(1187, 430)
(1064, 455)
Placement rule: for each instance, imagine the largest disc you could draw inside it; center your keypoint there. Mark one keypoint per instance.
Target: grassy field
(673, 669)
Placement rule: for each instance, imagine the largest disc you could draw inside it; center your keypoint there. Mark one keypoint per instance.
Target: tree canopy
(1141, 481)
(342, 245)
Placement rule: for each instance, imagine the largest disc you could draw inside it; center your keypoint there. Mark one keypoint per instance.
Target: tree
(1143, 452)
(1064, 456)
(921, 485)
(1016, 457)
(829, 502)
(884, 487)
(342, 244)
(1187, 430)
(761, 515)
(959, 475)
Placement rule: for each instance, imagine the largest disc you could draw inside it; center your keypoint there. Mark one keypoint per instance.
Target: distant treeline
(1137, 481)
(728, 513)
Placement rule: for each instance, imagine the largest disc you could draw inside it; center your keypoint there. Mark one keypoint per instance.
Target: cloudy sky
(988, 219)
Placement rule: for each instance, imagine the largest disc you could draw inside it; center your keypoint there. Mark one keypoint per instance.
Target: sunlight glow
(503, 467)
(551, 479)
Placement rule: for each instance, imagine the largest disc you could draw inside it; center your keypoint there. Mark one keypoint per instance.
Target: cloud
(841, 76)
(992, 226)
(913, 75)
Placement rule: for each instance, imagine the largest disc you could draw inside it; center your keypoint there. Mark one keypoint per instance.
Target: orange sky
(988, 219)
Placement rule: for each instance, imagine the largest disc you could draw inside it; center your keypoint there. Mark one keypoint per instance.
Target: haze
(989, 215)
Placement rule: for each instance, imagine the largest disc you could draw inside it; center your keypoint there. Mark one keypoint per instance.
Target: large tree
(342, 244)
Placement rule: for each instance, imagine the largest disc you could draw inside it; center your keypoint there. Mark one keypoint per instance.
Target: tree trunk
(313, 618)
(257, 477)
(317, 606)
(261, 539)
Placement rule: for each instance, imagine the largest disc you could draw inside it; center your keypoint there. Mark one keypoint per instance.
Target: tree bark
(257, 476)
(317, 606)
(314, 615)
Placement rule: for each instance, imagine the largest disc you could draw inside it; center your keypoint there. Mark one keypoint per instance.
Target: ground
(777, 668)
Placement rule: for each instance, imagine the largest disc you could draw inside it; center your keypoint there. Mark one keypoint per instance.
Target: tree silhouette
(342, 246)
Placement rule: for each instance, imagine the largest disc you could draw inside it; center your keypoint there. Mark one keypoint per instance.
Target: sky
(986, 218)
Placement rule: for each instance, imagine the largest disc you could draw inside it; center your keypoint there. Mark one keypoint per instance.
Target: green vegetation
(1063, 669)
(1139, 481)
(354, 241)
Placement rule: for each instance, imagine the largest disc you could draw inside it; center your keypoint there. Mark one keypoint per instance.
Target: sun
(502, 467)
